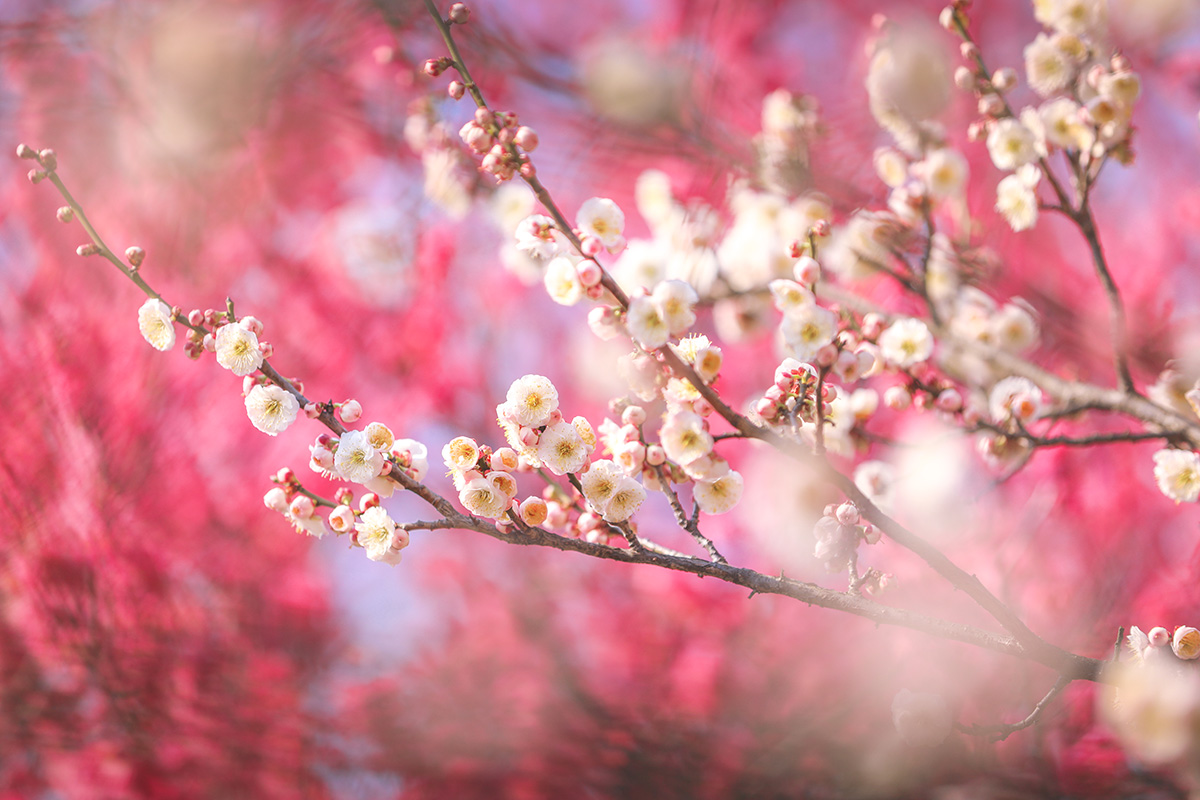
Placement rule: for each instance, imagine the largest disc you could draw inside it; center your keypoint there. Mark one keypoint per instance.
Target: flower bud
(135, 255)
(89, 249)
(285, 475)
(655, 455)
(276, 500)
(526, 138)
(65, 214)
(302, 507)
(1159, 637)
(847, 514)
(533, 511)
(806, 271)
(633, 415)
(456, 90)
(350, 411)
(459, 13)
(341, 519)
(25, 151)
(368, 500)
(1004, 79)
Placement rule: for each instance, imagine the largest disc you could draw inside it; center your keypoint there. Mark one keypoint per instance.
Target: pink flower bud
(964, 78)
(368, 500)
(1004, 79)
(89, 249)
(533, 511)
(946, 18)
(526, 138)
(322, 459)
(195, 317)
(49, 159)
(594, 292)
(267, 349)
(1159, 637)
(350, 411)
(312, 410)
(434, 67)
(702, 407)
(252, 324)
(302, 507)
(976, 131)
(872, 325)
(871, 534)
(897, 398)
(968, 50)
(400, 539)
(655, 455)
(276, 500)
(65, 214)
(527, 170)
(807, 271)
(820, 228)
(949, 400)
(25, 151)
(766, 408)
(248, 383)
(210, 343)
(344, 495)
(991, 105)
(35, 176)
(285, 475)
(459, 13)
(341, 519)
(456, 90)
(528, 436)
(1095, 75)
(633, 415)
(827, 356)
(591, 246)
(847, 513)
(484, 118)
(589, 272)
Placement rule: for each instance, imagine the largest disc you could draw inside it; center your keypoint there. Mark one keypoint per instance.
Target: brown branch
(999, 733)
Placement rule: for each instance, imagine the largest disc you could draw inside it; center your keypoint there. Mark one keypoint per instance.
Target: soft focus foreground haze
(165, 635)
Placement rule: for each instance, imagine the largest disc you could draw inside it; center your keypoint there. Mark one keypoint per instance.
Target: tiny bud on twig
(456, 90)
(136, 256)
(88, 249)
(65, 214)
(49, 159)
(25, 151)
(459, 13)
(36, 176)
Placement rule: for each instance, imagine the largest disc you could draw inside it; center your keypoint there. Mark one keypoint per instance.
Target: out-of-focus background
(162, 634)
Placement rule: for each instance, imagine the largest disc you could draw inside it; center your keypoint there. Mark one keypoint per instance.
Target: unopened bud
(49, 159)
(65, 214)
(89, 249)
(459, 13)
(434, 67)
(456, 90)
(526, 138)
(136, 256)
(1004, 79)
(25, 151)
(1159, 637)
(36, 176)
(368, 500)
(964, 78)
(350, 411)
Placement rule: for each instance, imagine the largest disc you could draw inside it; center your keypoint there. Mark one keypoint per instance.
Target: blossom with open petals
(154, 321)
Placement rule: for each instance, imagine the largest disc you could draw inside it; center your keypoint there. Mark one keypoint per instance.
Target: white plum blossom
(483, 498)
(600, 483)
(891, 166)
(1014, 327)
(944, 172)
(530, 402)
(676, 300)
(1062, 125)
(271, 409)
(237, 350)
(1047, 67)
(906, 342)
(562, 449)
(855, 251)
(535, 236)
(1016, 198)
(461, 454)
(562, 283)
(1011, 144)
(642, 264)
(356, 460)
(789, 296)
(721, 495)
(685, 437)
(1016, 398)
(807, 330)
(646, 323)
(1177, 473)
(154, 321)
(626, 499)
(602, 218)
(376, 535)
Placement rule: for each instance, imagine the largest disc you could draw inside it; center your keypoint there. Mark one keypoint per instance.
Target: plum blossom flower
(271, 409)
(562, 282)
(154, 321)
(685, 437)
(676, 301)
(944, 172)
(535, 236)
(1178, 474)
(1047, 67)
(906, 342)
(807, 330)
(415, 454)
(721, 495)
(482, 497)
(237, 350)
(1015, 397)
(1016, 198)
(646, 323)
(376, 534)
(1011, 144)
(602, 218)
(530, 402)
(356, 459)
(562, 449)
(600, 483)
(460, 454)
(626, 499)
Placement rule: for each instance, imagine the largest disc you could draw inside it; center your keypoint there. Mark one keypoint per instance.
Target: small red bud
(459, 13)
(456, 90)
(136, 256)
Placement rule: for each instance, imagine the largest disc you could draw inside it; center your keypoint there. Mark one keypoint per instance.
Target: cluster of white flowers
(668, 310)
